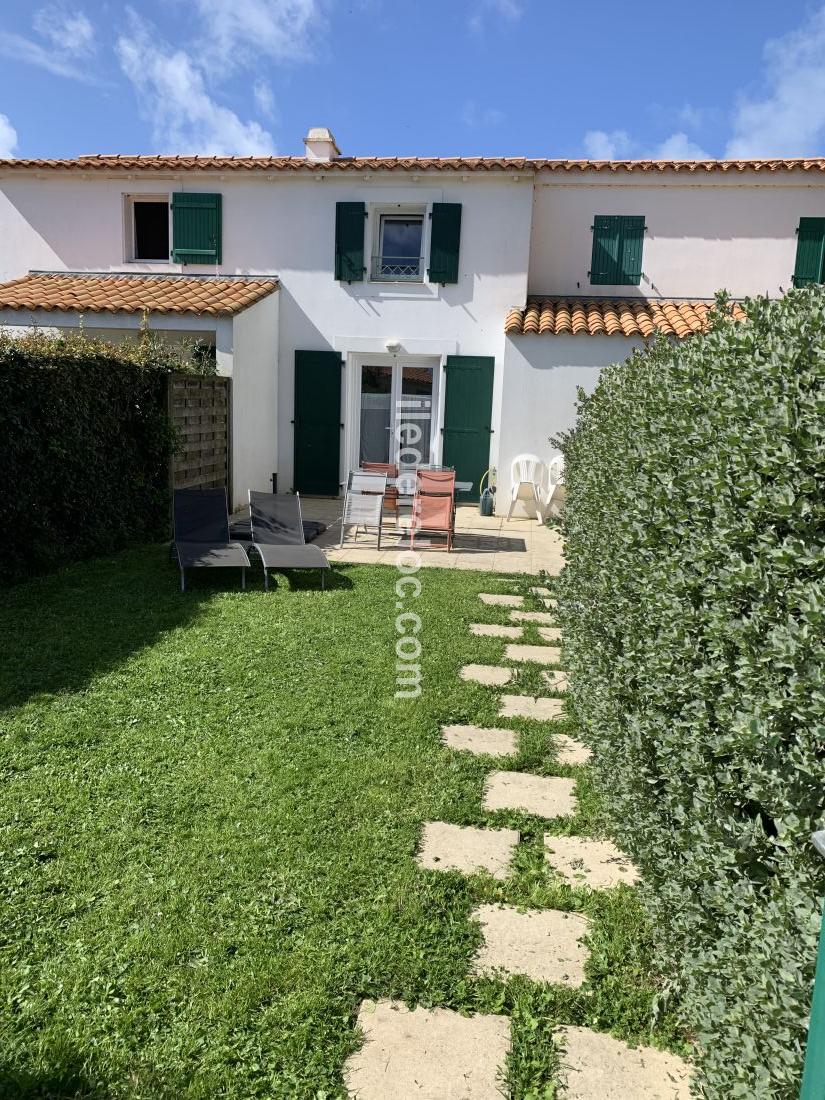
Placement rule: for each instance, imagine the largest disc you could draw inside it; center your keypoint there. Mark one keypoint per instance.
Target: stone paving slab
(542, 944)
(446, 847)
(543, 795)
(595, 1066)
(536, 654)
(532, 617)
(595, 863)
(493, 600)
(481, 740)
(571, 751)
(493, 630)
(555, 679)
(550, 603)
(550, 633)
(491, 675)
(538, 590)
(525, 706)
(427, 1054)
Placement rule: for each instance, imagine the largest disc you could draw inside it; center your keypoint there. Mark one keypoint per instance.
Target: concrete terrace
(519, 545)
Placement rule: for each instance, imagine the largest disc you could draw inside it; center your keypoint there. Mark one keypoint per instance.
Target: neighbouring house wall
(285, 225)
(254, 398)
(704, 233)
(542, 378)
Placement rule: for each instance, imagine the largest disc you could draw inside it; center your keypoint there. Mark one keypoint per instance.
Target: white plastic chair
(555, 478)
(363, 503)
(526, 470)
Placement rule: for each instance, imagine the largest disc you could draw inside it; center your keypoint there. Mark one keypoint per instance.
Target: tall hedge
(693, 607)
(85, 447)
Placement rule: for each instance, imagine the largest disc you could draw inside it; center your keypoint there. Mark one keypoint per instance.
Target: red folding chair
(391, 494)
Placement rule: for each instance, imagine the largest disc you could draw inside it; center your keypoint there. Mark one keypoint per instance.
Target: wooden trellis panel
(201, 409)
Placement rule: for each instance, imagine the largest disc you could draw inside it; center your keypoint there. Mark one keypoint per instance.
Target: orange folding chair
(434, 505)
(391, 494)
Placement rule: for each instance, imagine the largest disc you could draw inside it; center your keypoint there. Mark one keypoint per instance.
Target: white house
(465, 297)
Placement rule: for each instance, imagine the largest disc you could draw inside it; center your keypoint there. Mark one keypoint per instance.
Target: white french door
(397, 405)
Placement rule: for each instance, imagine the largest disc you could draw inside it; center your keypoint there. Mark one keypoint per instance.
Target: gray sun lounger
(201, 533)
(278, 534)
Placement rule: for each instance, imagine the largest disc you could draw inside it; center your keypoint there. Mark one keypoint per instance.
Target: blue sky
(524, 77)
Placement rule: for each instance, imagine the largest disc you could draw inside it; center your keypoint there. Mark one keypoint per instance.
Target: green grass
(209, 812)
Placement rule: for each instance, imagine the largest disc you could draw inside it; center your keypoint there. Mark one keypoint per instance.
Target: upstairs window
(617, 250)
(399, 247)
(150, 229)
(810, 252)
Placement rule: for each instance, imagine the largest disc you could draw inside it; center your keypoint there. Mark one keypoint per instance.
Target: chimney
(320, 145)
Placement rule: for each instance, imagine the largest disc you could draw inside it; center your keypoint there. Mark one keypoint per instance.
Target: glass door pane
(414, 416)
(376, 410)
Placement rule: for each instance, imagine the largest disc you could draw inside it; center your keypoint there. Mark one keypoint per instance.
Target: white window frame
(353, 400)
(130, 234)
(402, 210)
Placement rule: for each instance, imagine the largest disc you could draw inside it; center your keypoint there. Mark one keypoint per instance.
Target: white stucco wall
(542, 378)
(704, 233)
(254, 335)
(284, 225)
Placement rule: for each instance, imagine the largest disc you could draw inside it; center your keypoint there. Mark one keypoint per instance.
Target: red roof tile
(610, 316)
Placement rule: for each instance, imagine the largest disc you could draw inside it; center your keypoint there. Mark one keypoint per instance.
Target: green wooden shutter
(349, 241)
(604, 263)
(445, 240)
(196, 228)
(317, 422)
(631, 238)
(617, 249)
(468, 409)
(810, 252)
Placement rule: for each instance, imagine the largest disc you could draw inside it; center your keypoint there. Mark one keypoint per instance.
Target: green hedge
(692, 605)
(85, 447)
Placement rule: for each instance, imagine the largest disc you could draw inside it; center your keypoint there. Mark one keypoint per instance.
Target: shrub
(692, 605)
(86, 447)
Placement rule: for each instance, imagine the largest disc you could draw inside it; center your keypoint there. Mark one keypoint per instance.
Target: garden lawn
(209, 813)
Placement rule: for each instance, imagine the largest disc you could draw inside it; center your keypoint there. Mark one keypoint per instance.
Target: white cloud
(619, 145)
(173, 96)
(790, 120)
(69, 31)
(601, 145)
(477, 118)
(264, 98)
(235, 30)
(18, 48)
(509, 10)
(8, 137)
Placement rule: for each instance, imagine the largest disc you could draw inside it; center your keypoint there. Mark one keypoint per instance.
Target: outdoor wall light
(393, 346)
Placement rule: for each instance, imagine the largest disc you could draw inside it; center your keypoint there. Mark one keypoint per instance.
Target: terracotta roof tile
(125, 163)
(217, 295)
(610, 316)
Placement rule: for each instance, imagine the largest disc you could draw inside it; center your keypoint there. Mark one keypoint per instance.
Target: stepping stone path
(542, 944)
(427, 1053)
(493, 630)
(501, 601)
(542, 795)
(480, 740)
(595, 1066)
(595, 863)
(532, 617)
(570, 751)
(555, 679)
(432, 1054)
(446, 847)
(524, 706)
(492, 675)
(536, 654)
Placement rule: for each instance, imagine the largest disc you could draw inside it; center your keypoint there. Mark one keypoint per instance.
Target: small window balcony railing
(398, 268)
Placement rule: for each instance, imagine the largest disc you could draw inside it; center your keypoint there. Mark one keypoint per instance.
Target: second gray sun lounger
(278, 534)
